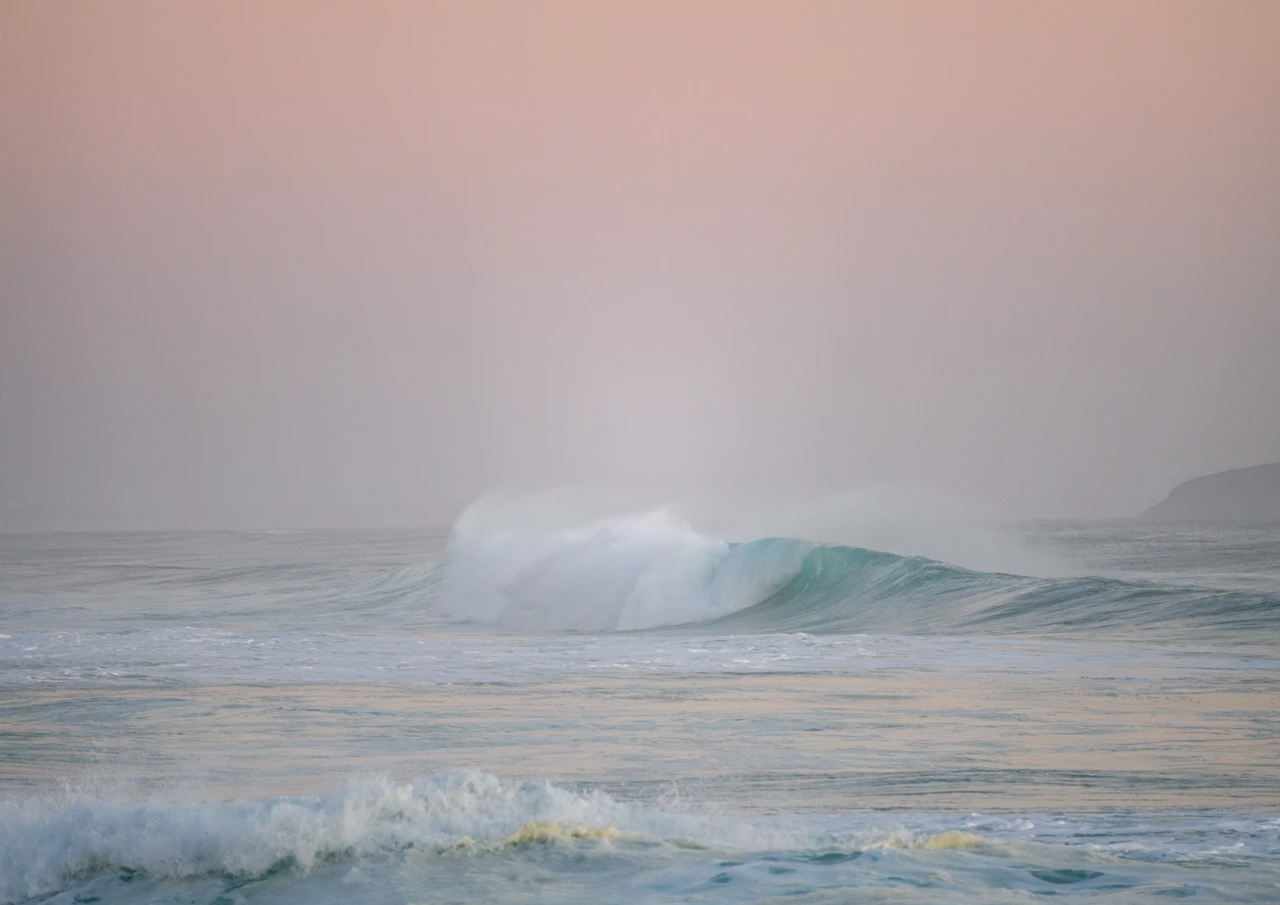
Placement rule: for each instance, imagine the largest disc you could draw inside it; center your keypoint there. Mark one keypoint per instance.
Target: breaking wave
(651, 570)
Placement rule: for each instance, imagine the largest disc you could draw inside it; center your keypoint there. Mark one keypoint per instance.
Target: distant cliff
(1239, 495)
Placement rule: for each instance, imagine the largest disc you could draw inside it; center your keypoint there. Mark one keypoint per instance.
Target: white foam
(631, 571)
(54, 843)
(47, 844)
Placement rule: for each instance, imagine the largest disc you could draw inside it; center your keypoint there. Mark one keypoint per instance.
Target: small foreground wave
(468, 836)
(47, 845)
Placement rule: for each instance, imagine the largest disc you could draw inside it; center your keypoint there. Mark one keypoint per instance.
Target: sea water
(629, 710)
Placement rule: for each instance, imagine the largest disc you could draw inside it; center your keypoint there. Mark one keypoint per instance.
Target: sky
(289, 264)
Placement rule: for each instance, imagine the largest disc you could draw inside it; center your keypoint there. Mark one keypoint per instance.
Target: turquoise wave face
(839, 589)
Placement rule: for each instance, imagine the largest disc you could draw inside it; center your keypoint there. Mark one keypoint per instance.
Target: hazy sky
(356, 263)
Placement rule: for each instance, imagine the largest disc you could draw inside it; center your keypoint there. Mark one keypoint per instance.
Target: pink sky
(357, 262)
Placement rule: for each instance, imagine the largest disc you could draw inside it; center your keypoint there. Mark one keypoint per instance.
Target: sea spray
(650, 570)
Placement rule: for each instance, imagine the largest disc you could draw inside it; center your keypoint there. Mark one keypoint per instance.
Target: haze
(294, 264)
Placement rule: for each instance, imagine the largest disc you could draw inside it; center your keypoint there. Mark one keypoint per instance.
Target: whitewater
(540, 706)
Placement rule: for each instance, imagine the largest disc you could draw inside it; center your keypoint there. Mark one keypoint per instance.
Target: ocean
(626, 709)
